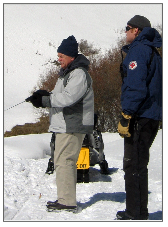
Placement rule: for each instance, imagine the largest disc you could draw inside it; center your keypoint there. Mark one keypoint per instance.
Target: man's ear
(72, 59)
(136, 30)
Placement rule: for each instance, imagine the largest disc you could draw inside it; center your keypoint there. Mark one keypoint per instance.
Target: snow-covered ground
(27, 188)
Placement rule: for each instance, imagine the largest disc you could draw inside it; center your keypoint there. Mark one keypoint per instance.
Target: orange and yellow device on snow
(83, 159)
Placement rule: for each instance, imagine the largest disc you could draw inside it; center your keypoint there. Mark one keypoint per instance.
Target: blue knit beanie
(69, 47)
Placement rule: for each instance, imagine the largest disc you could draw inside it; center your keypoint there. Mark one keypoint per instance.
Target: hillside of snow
(33, 32)
(27, 188)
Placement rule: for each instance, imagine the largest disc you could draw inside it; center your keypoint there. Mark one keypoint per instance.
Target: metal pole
(15, 105)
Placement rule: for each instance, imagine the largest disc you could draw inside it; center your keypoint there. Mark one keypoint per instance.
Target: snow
(27, 188)
(32, 33)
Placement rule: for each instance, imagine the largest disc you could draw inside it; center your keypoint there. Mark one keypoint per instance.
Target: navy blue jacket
(142, 86)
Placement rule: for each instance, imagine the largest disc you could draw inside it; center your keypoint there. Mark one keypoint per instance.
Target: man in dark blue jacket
(141, 101)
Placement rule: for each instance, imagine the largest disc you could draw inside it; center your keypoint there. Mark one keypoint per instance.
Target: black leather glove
(123, 125)
(36, 98)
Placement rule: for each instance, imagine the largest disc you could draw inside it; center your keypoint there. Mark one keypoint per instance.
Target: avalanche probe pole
(15, 105)
(26, 100)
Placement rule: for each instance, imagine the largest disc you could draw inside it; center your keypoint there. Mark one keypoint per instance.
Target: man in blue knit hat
(71, 117)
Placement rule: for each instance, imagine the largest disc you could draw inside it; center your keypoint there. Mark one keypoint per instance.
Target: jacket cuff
(46, 101)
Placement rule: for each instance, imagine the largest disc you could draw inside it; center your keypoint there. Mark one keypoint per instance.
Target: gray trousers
(67, 149)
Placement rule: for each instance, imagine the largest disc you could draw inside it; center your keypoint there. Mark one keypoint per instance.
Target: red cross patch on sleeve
(132, 65)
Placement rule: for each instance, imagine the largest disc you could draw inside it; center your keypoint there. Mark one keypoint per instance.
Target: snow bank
(27, 188)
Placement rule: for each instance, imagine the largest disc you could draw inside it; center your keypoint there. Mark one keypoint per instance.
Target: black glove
(123, 125)
(36, 98)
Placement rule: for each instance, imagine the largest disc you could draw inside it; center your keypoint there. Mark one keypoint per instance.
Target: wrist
(46, 101)
(126, 116)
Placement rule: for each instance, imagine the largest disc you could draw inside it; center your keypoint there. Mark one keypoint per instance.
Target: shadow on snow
(115, 197)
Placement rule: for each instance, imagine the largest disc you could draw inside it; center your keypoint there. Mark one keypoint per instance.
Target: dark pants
(136, 158)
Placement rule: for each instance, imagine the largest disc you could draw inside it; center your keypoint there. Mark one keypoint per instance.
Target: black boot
(51, 202)
(124, 215)
(55, 206)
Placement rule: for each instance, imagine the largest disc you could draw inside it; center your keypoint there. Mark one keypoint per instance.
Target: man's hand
(36, 98)
(123, 125)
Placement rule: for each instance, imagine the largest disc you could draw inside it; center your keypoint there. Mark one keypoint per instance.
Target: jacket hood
(148, 36)
(80, 61)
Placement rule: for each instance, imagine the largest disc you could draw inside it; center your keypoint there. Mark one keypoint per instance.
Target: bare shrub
(104, 71)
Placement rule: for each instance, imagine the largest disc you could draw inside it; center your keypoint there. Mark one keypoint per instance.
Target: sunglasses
(128, 28)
